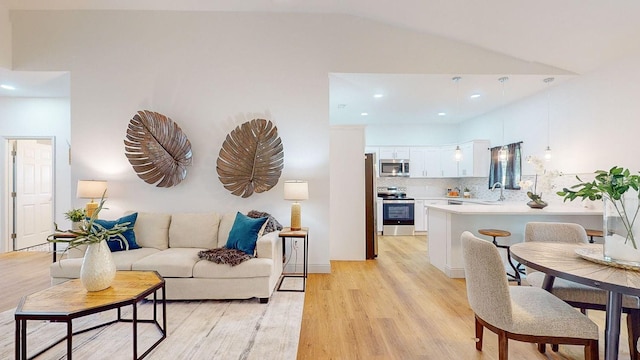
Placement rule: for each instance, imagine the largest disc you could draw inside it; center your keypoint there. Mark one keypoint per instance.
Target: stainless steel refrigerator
(370, 205)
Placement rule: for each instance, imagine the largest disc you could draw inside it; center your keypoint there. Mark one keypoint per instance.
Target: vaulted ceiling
(574, 35)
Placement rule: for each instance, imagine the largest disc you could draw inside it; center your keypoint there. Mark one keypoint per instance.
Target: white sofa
(169, 244)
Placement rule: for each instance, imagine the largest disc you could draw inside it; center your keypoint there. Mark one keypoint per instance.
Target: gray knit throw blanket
(223, 255)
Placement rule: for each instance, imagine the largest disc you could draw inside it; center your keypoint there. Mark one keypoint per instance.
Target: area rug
(234, 329)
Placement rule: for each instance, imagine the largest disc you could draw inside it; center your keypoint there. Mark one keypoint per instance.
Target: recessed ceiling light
(364, 114)
(377, 96)
(474, 96)
(7, 87)
(442, 113)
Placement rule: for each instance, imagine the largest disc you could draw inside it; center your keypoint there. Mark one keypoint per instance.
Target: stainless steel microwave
(394, 167)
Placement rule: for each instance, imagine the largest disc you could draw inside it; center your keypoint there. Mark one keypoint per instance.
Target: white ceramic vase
(98, 268)
(621, 231)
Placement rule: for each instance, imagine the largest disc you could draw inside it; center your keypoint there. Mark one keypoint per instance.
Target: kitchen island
(447, 222)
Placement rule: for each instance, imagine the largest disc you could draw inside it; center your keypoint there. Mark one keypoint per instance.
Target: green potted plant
(618, 188)
(88, 233)
(75, 216)
(466, 192)
(98, 268)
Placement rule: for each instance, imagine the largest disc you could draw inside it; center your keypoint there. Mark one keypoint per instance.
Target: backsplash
(479, 187)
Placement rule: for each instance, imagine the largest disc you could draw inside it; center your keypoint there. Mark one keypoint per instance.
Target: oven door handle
(398, 202)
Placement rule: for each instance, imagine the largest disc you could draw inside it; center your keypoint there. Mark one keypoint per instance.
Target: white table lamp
(91, 189)
(296, 190)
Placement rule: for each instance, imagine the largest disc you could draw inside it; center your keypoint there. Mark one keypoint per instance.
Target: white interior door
(33, 182)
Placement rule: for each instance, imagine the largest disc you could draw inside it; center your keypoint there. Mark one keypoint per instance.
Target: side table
(292, 235)
(60, 235)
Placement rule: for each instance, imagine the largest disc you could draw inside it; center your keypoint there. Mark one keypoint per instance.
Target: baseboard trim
(313, 268)
(456, 273)
(320, 268)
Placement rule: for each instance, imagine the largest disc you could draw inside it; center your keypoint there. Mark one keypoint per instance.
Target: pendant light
(458, 152)
(502, 154)
(547, 151)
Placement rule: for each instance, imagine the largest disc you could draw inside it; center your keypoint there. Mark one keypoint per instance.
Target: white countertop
(513, 208)
(445, 198)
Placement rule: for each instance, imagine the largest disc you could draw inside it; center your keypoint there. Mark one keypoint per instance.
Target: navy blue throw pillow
(244, 233)
(124, 241)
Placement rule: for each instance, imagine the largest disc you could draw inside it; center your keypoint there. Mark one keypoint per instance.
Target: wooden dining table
(561, 260)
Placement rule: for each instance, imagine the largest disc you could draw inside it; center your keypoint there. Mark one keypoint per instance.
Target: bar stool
(591, 233)
(495, 233)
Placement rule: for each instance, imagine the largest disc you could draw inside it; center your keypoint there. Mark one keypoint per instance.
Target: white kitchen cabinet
(432, 166)
(465, 166)
(425, 212)
(440, 162)
(417, 162)
(418, 215)
(393, 152)
(424, 162)
(448, 163)
(432, 162)
(475, 159)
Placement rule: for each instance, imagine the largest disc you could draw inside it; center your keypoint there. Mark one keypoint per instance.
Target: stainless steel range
(397, 212)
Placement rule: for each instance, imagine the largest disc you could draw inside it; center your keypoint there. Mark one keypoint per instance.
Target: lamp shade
(91, 189)
(296, 190)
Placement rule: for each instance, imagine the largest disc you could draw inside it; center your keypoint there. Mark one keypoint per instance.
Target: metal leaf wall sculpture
(157, 149)
(251, 158)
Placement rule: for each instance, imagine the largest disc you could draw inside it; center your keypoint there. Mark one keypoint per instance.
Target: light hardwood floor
(22, 273)
(401, 307)
(395, 307)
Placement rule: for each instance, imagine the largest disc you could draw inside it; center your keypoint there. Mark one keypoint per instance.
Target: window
(507, 173)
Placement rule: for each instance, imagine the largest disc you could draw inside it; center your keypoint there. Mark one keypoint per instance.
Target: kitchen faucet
(501, 186)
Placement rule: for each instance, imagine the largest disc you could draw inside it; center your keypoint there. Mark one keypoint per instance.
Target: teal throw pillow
(244, 233)
(124, 241)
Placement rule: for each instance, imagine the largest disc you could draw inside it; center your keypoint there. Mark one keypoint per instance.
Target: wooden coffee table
(69, 300)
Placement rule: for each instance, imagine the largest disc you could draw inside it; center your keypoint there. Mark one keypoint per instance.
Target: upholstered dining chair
(578, 295)
(522, 313)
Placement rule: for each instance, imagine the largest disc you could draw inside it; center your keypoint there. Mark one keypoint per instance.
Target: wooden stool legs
(516, 273)
(503, 233)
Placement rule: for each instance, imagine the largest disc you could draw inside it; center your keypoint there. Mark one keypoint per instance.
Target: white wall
(595, 121)
(5, 38)
(27, 117)
(412, 135)
(212, 71)
(347, 193)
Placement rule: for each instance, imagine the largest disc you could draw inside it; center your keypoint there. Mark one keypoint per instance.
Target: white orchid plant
(543, 180)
